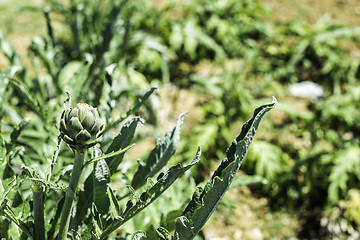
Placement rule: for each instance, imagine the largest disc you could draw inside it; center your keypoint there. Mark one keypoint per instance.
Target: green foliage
(305, 145)
(101, 200)
(94, 63)
(316, 55)
(270, 165)
(205, 200)
(159, 156)
(110, 53)
(344, 173)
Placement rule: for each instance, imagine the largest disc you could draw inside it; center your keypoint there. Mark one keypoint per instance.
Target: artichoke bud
(80, 127)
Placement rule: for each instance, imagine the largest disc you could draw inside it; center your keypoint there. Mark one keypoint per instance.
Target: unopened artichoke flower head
(80, 127)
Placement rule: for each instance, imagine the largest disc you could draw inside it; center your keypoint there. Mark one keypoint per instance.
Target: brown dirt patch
(346, 12)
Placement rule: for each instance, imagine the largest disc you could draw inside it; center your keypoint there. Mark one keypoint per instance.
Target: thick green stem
(70, 194)
(39, 224)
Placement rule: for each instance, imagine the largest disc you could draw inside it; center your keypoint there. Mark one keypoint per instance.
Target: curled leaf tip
(274, 100)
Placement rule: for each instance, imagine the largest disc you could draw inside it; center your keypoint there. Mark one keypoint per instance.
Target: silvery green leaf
(160, 155)
(101, 181)
(206, 199)
(150, 195)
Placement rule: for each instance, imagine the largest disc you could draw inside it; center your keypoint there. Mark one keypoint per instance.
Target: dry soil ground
(346, 12)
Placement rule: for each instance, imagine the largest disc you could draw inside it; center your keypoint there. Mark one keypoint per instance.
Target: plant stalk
(70, 194)
(39, 223)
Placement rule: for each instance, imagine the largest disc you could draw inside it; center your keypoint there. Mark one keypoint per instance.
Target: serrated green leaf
(114, 209)
(122, 140)
(205, 200)
(96, 223)
(88, 194)
(160, 155)
(101, 181)
(151, 194)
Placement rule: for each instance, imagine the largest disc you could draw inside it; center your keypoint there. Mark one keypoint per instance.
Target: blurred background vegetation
(216, 59)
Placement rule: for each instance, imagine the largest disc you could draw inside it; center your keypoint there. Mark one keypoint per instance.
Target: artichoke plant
(80, 127)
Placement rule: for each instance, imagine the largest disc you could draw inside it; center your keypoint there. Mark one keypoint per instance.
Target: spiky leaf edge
(205, 200)
(147, 197)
